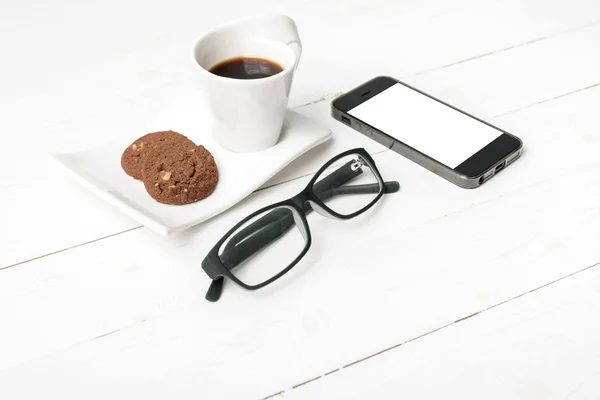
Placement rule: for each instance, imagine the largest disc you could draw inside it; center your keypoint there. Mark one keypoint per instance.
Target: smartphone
(447, 141)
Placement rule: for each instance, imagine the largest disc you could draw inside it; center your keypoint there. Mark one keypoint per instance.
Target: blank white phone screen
(426, 125)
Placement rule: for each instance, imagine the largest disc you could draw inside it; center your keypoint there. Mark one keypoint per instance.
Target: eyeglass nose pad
(300, 224)
(320, 210)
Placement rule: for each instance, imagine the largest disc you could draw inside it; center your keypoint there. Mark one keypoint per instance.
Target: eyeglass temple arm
(266, 234)
(368, 188)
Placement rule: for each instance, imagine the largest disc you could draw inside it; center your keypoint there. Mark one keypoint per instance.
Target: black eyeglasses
(269, 242)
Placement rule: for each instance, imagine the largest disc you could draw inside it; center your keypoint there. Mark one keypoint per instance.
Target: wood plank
(119, 79)
(521, 76)
(410, 42)
(540, 346)
(99, 70)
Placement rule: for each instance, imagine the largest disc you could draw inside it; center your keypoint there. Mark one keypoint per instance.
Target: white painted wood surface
(92, 306)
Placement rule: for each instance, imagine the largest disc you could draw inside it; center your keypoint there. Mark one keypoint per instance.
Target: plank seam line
(515, 46)
(460, 320)
(105, 334)
(545, 100)
(70, 248)
(323, 98)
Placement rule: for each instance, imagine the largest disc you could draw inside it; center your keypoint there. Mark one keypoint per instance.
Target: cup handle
(276, 27)
(296, 48)
(290, 33)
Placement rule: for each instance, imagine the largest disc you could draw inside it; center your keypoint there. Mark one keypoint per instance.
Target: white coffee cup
(247, 114)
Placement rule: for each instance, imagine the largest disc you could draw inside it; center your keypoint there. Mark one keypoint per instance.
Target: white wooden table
(389, 305)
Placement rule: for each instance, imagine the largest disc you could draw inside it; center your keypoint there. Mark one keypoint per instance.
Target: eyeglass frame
(214, 267)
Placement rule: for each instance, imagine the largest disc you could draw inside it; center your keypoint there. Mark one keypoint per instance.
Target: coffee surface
(246, 68)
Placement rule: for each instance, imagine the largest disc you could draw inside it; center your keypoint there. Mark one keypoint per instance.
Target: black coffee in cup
(246, 68)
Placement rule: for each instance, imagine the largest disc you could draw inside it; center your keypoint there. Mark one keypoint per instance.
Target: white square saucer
(99, 169)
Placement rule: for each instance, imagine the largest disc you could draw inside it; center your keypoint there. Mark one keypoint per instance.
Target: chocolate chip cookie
(180, 173)
(133, 156)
